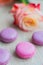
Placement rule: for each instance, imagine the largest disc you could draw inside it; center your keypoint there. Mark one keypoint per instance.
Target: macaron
(4, 56)
(25, 50)
(0, 37)
(37, 38)
(8, 35)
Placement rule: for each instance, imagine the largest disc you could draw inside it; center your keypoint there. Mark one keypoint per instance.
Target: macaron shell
(0, 36)
(37, 38)
(25, 50)
(8, 35)
(4, 56)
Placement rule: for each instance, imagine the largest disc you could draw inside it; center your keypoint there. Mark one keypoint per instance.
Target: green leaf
(24, 1)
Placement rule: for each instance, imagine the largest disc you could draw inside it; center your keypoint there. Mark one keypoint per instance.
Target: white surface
(5, 21)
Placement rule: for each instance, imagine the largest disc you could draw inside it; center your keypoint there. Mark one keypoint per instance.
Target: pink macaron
(37, 38)
(8, 35)
(4, 56)
(25, 50)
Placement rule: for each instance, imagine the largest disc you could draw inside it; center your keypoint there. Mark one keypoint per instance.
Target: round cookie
(37, 38)
(25, 50)
(0, 37)
(8, 35)
(4, 56)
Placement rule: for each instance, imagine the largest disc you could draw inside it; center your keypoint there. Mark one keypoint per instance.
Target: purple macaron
(4, 56)
(8, 35)
(0, 36)
(37, 38)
